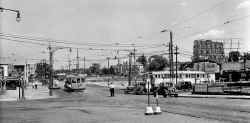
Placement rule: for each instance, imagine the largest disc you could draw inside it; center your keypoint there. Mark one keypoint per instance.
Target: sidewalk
(190, 95)
(117, 84)
(30, 93)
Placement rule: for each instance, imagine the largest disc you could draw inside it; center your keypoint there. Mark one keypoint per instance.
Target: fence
(242, 88)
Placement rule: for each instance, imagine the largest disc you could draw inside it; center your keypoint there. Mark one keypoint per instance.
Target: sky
(117, 24)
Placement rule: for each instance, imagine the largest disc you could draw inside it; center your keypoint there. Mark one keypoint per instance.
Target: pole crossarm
(2, 9)
(54, 49)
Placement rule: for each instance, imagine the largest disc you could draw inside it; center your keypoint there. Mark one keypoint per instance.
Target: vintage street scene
(125, 61)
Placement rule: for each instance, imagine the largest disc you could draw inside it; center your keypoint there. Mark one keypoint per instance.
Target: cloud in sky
(213, 33)
(245, 4)
(183, 3)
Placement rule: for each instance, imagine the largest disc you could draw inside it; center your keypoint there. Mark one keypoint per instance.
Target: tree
(234, 56)
(143, 60)
(42, 70)
(157, 63)
(112, 70)
(95, 68)
(105, 71)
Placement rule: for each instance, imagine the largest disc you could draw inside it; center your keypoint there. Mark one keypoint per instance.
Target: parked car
(12, 82)
(184, 85)
(167, 89)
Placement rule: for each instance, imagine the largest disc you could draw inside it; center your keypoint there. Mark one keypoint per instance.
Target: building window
(180, 75)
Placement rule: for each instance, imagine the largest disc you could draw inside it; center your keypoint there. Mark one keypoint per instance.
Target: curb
(221, 97)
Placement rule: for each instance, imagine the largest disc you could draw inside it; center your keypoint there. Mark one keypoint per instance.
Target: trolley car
(75, 82)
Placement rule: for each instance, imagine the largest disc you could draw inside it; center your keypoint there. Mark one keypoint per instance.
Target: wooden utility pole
(118, 62)
(108, 58)
(84, 64)
(108, 69)
(176, 64)
(69, 59)
(129, 72)
(77, 62)
(134, 68)
(245, 56)
(51, 70)
(134, 59)
(43, 70)
(26, 71)
(171, 56)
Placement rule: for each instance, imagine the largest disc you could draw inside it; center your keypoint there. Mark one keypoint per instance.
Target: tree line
(152, 63)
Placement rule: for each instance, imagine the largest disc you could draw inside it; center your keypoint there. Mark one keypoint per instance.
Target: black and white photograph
(124, 61)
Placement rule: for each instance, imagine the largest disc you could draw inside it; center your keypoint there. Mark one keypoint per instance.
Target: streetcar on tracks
(75, 82)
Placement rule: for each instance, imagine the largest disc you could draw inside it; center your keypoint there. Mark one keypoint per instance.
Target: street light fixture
(170, 51)
(18, 16)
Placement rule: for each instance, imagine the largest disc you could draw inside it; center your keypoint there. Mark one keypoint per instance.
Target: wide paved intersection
(94, 106)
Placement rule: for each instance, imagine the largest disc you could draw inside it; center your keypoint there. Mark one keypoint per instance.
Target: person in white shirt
(36, 84)
(112, 89)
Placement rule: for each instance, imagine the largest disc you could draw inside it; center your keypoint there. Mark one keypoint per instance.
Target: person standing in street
(36, 84)
(1, 83)
(112, 90)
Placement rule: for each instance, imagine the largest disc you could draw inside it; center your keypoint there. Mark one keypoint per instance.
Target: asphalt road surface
(95, 106)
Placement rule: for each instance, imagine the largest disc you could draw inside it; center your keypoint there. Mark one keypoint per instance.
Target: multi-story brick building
(208, 49)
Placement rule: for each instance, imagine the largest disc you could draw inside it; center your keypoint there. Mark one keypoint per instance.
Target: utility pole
(176, 64)
(69, 59)
(134, 65)
(171, 56)
(51, 70)
(245, 56)
(26, 72)
(84, 64)
(77, 64)
(44, 69)
(108, 69)
(118, 62)
(129, 72)
(108, 58)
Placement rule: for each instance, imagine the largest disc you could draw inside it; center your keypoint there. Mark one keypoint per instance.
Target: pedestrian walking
(33, 84)
(1, 83)
(36, 84)
(112, 90)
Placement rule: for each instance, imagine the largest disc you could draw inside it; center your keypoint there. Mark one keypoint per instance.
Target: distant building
(207, 67)
(232, 66)
(31, 69)
(4, 68)
(123, 68)
(208, 49)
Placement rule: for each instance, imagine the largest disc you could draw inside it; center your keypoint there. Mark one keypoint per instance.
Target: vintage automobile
(184, 85)
(12, 82)
(166, 89)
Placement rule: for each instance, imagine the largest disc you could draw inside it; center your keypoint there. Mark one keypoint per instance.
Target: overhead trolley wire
(199, 14)
(217, 25)
(49, 40)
